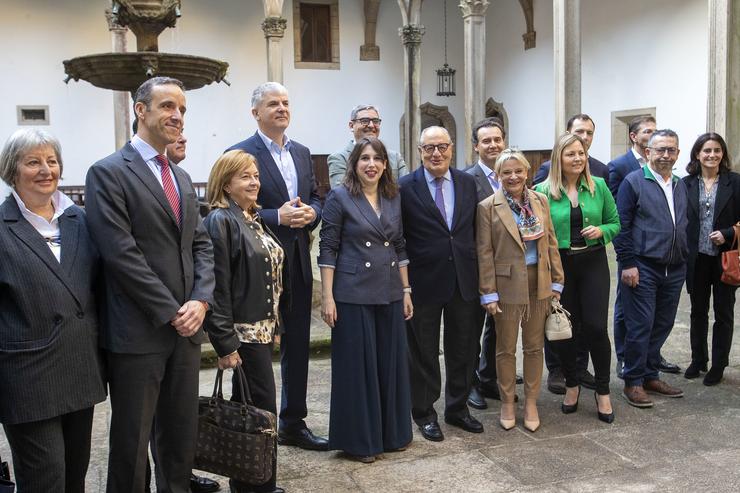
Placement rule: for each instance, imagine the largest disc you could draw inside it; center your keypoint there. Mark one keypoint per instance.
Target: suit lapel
(457, 186)
(368, 212)
(69, 228)
(692, 190)
(422, 192)
(184, 187)
(507, 217)
(724, 192)
(482, 180)
(142, 171)
(268, 165)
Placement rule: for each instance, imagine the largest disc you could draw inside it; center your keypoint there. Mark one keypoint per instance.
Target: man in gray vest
(364, 121)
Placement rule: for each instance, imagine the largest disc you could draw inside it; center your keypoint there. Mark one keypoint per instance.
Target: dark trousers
(620, 328)
(552, 360)
(257, 366)
(153, 393)
(707, 273)
(649, 312)
(462, 323)
(53, 454)
(586, 297)
(485, 375)
(370, 403)
(294, 349)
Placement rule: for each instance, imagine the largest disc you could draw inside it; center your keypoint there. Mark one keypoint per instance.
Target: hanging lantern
(446, 74)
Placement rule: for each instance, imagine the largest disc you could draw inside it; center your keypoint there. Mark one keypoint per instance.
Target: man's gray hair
(259, 93)
(666, 132)
(433, 127)
(362, 107)
(18, 145)
(144, 92)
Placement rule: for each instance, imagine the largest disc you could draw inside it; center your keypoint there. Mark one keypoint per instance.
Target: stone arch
(497, 110)
(431, 115)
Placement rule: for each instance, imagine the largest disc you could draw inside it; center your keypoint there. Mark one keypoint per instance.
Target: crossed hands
(296, 214)
(189, 318)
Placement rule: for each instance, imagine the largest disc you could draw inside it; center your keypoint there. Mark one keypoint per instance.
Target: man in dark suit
(641, 128)
(489, 139)
(290, 207)
(438, 209)
(583, 126)
(158, 266)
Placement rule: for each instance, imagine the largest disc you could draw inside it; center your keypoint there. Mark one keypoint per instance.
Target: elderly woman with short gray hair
(50, 373)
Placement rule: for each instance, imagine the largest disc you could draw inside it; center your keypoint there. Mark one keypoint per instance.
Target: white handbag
(557, 324)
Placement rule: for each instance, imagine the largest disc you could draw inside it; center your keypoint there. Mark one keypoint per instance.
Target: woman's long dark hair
(386, 186)
(694, 166)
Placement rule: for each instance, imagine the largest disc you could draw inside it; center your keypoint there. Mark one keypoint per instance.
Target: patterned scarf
(529, 225)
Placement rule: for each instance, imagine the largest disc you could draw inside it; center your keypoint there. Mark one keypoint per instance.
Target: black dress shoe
(571, 408)
(606, 418)
(586, 379)
(476, 399)
(467, 423)
(667, 367)
(556, 381)
(694, 370)
(304, 439)
(200, 484)
(620, 369)
(714, 376)
(431, 431)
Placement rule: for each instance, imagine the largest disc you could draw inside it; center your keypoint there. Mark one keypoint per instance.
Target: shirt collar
(651, 173)
(145, 150)
(59, 201)
(487, 170)
(430, 178)
(270, 144)
(639, 158)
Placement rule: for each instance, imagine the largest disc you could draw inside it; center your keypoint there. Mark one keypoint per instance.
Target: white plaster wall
(634, 54)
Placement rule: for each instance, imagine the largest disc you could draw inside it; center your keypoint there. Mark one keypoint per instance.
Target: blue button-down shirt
(448, 193)
(284, 162)
(491, 175)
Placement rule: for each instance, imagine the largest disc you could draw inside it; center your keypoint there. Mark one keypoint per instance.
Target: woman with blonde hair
(244, 320)
(585, 219)
(520, 273)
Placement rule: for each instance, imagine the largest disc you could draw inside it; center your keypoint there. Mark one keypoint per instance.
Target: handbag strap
(735, 227)
(241, 377)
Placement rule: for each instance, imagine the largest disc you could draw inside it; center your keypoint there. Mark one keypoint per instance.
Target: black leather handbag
(235, 439)
(6, 485)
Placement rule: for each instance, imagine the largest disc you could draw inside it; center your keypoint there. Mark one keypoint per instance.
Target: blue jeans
(619, 328)
(649, 312)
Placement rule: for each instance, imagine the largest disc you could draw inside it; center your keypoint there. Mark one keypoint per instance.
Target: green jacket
(598, 210)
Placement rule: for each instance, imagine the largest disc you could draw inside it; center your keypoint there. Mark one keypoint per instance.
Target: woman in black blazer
(50, 373)
(365, 299)
(714, 206)
(244, 320)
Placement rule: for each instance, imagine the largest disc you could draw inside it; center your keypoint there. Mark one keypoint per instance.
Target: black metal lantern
(446, 74)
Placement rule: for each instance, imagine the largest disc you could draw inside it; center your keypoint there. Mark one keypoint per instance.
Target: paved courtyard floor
(681, 445)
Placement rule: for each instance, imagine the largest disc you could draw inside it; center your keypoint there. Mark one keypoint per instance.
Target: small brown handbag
(235, 439)
(731, 261)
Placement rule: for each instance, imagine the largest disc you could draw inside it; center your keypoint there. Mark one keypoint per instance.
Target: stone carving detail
(473, 7)
(530, 37)
(411, 33)
(274, 27)
(370, 50)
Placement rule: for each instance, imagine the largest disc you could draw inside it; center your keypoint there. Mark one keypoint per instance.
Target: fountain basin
(127, 71)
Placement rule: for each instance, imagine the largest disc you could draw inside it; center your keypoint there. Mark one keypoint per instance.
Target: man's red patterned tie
(169, 187)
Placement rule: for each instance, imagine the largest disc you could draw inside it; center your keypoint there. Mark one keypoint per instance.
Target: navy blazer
(596, 167)
(483, 188)
(364, 249)
(152, 266)
(49, 357)
(726, 214)
(440, 258)
(273, 194)
(619, 168)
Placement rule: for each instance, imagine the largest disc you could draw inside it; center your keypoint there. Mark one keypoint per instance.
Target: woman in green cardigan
(585, 219)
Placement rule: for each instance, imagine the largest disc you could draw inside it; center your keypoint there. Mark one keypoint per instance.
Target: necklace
(708, 194)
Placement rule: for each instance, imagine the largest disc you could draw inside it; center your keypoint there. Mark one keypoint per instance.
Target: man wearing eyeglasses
(438, 206)
(364, 121)
(652, 249)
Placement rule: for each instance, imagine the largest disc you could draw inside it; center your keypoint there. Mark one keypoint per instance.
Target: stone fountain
(126, 71)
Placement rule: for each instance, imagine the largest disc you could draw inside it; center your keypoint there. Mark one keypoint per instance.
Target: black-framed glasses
(429, 148)
(662, 150)
(367, 121)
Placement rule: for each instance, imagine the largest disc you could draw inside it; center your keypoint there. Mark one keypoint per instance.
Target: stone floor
(680, 445)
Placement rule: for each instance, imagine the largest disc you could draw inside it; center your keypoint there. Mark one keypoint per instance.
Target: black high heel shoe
(571, 408)
(606, 418)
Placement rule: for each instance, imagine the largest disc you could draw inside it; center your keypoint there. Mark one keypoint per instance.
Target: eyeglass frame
(672, 151)
(435, 147)
(374, 121)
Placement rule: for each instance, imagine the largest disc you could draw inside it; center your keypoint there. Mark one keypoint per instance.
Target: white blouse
(49, 230)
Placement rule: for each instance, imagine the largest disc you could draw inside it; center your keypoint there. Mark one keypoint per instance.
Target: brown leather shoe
(662, 388)
(637, 397)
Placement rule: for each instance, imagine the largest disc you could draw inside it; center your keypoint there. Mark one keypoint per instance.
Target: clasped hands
(189, 318)
(296, 214)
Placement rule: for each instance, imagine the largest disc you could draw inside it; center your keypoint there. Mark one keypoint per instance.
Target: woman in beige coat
(520, 272)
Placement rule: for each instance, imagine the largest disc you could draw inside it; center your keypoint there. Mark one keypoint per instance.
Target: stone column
(723, 93)
(474, 35)
(274, 28)
(121, 99)
(567, 60)
(411, 35)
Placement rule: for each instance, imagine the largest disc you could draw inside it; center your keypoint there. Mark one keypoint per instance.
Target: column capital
(473, 7)
(274, 27)
(113, 24)
(411, 33)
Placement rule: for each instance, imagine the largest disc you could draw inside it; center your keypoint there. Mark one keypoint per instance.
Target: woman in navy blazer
(714, 206)
(365, 299)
